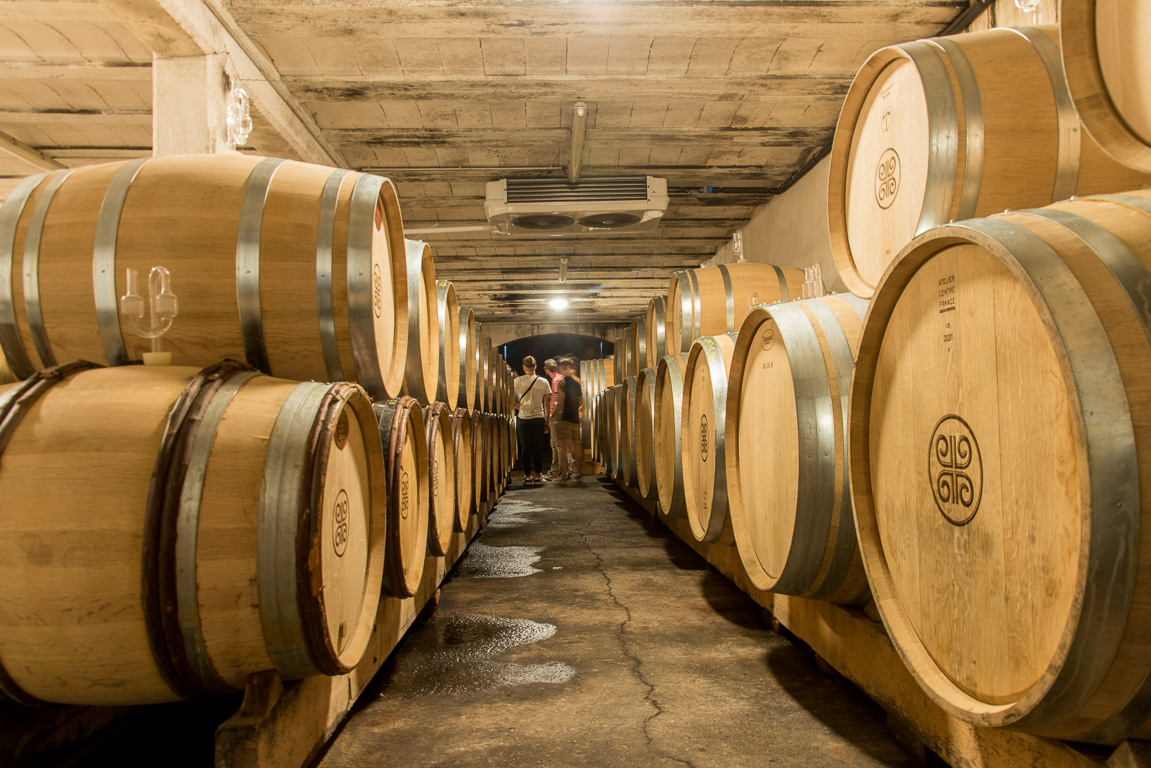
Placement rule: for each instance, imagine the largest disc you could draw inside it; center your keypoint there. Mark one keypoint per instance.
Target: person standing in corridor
(568, 424)
(551, 368)
(532, 394)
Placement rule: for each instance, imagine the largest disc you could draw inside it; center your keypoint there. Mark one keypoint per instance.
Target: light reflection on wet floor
(454, 653)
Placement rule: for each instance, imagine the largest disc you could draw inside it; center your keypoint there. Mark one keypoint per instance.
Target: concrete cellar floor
(576, 631)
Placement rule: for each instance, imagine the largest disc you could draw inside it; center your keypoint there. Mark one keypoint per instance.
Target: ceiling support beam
(175, 29)
(189, 105)
(23, 152)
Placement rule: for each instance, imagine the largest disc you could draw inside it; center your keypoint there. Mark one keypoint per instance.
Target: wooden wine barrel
(6, 375)
(607, 376)
(655, 326)
(449, 370)
(1012, 566)
(479, 459)
(469, 354)
(714, 300)
(441, 478)
(405, 445)
(489, 374)
(643, 437)
(190, 528)
(422, 372)
(601, 431)
(668, 435)
(1107, 73)
(703, 433)
(977, 123)
(464, 455)
(484, 389)
(626, 429)
(297, 268)
(611, 430)
(786, 432)
(638, 340)
(620, 368)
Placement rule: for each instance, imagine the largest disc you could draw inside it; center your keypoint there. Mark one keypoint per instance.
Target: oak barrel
(644, 433)
(450, 359)
(422, 372)
(480, 453)
(1000, 435)
(703, 438)
(401, 425)
(714, 300)
(626, 430)
(954, 128)
(191, 528)
(638, 341)
(465, 482)
(786, 434)
(655, 326)
(469, 354)
(1105, 63)
(441, 478)
(668, 436)
(297, 268)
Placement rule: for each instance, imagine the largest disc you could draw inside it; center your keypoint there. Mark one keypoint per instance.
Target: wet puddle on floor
(454, 652)
(512, 513)
(484, 562)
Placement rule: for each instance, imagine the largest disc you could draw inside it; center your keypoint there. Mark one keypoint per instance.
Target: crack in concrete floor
(637, 662)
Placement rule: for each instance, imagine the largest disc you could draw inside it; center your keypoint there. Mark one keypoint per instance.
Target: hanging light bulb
(563, 270)
(558, 302)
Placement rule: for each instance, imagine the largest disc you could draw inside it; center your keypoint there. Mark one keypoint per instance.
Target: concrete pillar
(189, 105)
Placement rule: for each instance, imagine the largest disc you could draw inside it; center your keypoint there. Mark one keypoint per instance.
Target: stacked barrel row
(194, 523)
(969, 447)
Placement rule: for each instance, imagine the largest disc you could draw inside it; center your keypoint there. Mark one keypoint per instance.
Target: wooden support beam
(85, 71)
(489, 138)
(179, 28)
(590, 87)
(74, 116)
(21, 151)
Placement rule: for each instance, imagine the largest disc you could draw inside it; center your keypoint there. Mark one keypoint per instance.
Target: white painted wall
(792, 230)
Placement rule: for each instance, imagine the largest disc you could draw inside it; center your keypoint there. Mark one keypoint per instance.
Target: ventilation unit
(553, 207)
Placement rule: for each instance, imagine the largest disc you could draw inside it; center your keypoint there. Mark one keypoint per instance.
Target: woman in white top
(532, 394)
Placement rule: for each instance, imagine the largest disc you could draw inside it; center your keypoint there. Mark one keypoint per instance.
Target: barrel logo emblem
(404, 495)
(955, 468)
(767, 339)
(377, 290)
(341, 436)
(887, 178)
(340, 513)
(703, 437)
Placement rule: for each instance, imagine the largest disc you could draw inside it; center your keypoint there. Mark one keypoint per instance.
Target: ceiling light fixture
(559, 302)
(563, 270)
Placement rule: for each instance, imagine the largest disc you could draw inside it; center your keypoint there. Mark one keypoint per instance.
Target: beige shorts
(565, 430)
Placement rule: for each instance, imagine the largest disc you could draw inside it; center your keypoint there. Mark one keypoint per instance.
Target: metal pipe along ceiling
(579, 127)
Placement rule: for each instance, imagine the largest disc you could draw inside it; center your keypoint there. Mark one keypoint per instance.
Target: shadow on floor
(837, 703)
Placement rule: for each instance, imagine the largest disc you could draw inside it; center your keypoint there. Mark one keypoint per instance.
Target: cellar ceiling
(727, 101)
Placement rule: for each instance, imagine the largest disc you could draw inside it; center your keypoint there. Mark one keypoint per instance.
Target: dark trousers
(532, 442)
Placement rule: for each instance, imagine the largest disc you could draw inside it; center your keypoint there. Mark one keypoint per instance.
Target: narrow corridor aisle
(578, 632)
